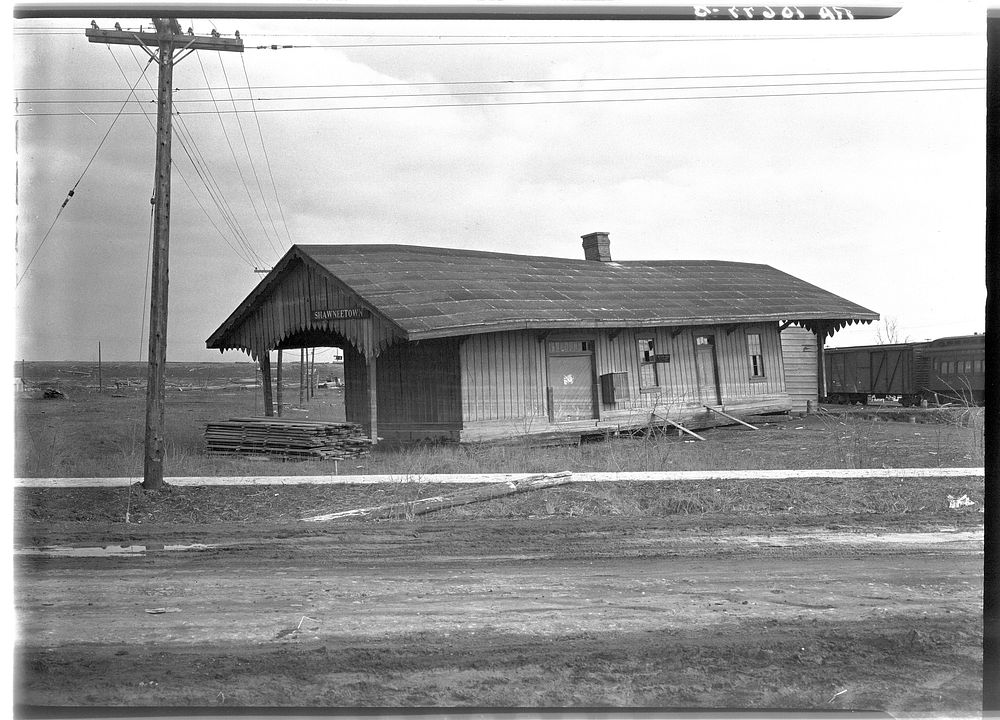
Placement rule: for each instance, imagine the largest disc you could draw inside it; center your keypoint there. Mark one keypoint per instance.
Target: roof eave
(578, 324)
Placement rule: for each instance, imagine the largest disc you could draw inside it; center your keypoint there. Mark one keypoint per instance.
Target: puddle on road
(107, 550)
(970, 538)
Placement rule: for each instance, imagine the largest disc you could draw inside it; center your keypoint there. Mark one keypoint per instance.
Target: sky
(849, 154)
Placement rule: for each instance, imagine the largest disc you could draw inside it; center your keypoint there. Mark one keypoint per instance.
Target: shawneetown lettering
(340, 314)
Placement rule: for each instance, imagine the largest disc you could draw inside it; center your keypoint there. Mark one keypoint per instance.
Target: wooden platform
(570, 433)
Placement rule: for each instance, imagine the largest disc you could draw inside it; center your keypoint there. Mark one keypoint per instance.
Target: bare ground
(527, 612)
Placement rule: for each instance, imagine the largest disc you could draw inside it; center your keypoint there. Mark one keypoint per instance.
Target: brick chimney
(597, 246)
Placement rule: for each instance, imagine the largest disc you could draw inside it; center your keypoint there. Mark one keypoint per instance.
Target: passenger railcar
(956, 369)
(947, 370)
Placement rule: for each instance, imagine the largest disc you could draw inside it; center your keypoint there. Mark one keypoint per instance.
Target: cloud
(840, 189)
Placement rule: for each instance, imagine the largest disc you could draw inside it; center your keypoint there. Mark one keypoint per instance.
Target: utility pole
(166, 39)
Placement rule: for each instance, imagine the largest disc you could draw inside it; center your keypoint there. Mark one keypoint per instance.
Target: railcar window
(978, 367)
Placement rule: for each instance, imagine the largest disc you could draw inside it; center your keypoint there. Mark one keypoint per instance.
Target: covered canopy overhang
(300, 304)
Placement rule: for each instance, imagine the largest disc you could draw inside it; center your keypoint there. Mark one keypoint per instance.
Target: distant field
(179, 375)
(95, 432)
(99, 433)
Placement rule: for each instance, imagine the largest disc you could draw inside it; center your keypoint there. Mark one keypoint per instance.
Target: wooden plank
(727, 415)
(680, 427)
(433, 504)
(488, 478)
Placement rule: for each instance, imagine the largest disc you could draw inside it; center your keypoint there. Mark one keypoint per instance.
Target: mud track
(512, 613)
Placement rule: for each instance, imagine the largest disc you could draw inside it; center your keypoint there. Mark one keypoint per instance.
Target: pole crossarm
(151, 39)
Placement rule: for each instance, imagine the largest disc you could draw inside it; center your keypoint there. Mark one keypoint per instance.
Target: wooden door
(571, 383)
(706, 364)
(888, 372)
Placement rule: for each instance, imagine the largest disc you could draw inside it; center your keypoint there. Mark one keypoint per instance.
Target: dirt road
(499, 613)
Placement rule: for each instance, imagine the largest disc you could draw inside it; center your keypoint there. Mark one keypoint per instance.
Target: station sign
(341, 314)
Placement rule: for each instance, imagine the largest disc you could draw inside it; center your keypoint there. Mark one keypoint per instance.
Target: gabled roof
(437, 292)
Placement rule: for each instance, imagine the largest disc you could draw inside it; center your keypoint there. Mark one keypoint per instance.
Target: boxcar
(947, 370)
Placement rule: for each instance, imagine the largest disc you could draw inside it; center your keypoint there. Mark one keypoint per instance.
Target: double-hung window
(755, 356)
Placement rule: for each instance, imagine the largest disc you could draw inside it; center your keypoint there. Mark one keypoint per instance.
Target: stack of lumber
(287, 438)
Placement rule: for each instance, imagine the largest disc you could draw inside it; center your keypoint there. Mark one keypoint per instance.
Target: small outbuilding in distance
(468, 346)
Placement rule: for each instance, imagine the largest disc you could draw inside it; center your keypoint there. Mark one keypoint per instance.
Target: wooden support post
(820, 363)
(312, 375)
(100, 375)
(265, 375)
(278, 379)
(372, 399)
(727, 415)
(302, 377)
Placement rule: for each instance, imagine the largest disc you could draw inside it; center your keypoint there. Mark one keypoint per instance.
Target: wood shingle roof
(435, 292)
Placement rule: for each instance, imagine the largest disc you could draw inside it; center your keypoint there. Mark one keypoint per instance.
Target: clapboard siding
(798, 347)
(356, 407)
(502, 377)
(678, 379)
(418, 390)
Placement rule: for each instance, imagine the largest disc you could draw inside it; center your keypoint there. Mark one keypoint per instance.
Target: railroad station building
(470, 346)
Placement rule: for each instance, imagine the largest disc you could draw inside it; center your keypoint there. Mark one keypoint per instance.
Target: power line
(267, 159)
(564, 91)
(253, 167)
(218, 202)
(218, 112)
(567, 91)
(80, 179)
(551, 102)
(204, 174)
(534, 81)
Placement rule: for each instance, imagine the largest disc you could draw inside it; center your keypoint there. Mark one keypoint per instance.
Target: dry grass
(742, 502)
(99, 435)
